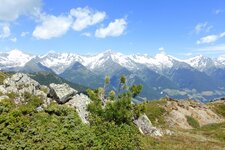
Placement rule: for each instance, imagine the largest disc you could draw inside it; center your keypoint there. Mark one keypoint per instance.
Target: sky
(180, 28)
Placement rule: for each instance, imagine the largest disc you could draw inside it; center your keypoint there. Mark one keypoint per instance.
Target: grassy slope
(15, 125)
(59, 127)
(207, 137)
(156, 112)
(219, 108)
(202, 138)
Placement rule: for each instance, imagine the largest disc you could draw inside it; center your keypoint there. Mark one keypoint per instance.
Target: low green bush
(192, 122)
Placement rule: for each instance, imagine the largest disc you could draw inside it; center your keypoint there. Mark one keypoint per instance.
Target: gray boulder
(145, 126)
(20, 83)
(61, 93)
(80, 102)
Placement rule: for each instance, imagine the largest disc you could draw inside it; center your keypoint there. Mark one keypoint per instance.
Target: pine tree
(135, 90)
(122, 83)
(107, 81)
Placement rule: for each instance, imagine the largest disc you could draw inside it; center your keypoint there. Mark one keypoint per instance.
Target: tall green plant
(120, 110)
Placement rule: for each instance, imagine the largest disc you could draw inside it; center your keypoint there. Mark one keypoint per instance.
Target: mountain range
(201, 78)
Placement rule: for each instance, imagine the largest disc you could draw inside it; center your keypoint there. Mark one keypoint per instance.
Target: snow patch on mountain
(14, 58)
(200, 62)
(221, 59)
(203, 63)
(58, 62)
(159, 62)
(98, 60)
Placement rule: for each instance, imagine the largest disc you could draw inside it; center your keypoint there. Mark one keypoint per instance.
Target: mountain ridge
(163, 75)
(49, 59)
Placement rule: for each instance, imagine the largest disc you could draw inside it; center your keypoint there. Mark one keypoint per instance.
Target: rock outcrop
(145, 126)
(62, 93)
(19, 83)
(80, 102)
(178, 110)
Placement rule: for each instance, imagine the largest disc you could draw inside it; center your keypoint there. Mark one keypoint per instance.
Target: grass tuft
(192, 122)
(156, 112)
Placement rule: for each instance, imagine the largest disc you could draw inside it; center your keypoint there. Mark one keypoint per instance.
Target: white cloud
(52, 26)
(210, 38)
(114, 29)
(55, 26)
(11, 9)
(86, 17)
(14, 39)
(202, 27)
(4, 31)
(23, 34)
(87, 34)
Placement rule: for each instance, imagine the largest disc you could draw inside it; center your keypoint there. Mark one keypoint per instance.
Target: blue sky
(180, 28)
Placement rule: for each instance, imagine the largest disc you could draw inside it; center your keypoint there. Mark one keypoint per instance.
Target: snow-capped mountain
(221, 59)
(203, 63)
(98, 60)
(161, 74)
(161, 62)
(14, 58)
(59, 62)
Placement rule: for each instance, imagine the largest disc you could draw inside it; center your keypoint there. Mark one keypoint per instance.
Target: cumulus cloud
(78, 19)
(86, 17)
(114, 29)
(202, 27)
(210, 38)
(5, 31)
(10, 10)
(52, 26)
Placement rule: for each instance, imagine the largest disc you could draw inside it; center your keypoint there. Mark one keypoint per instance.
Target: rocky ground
(179, 110)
